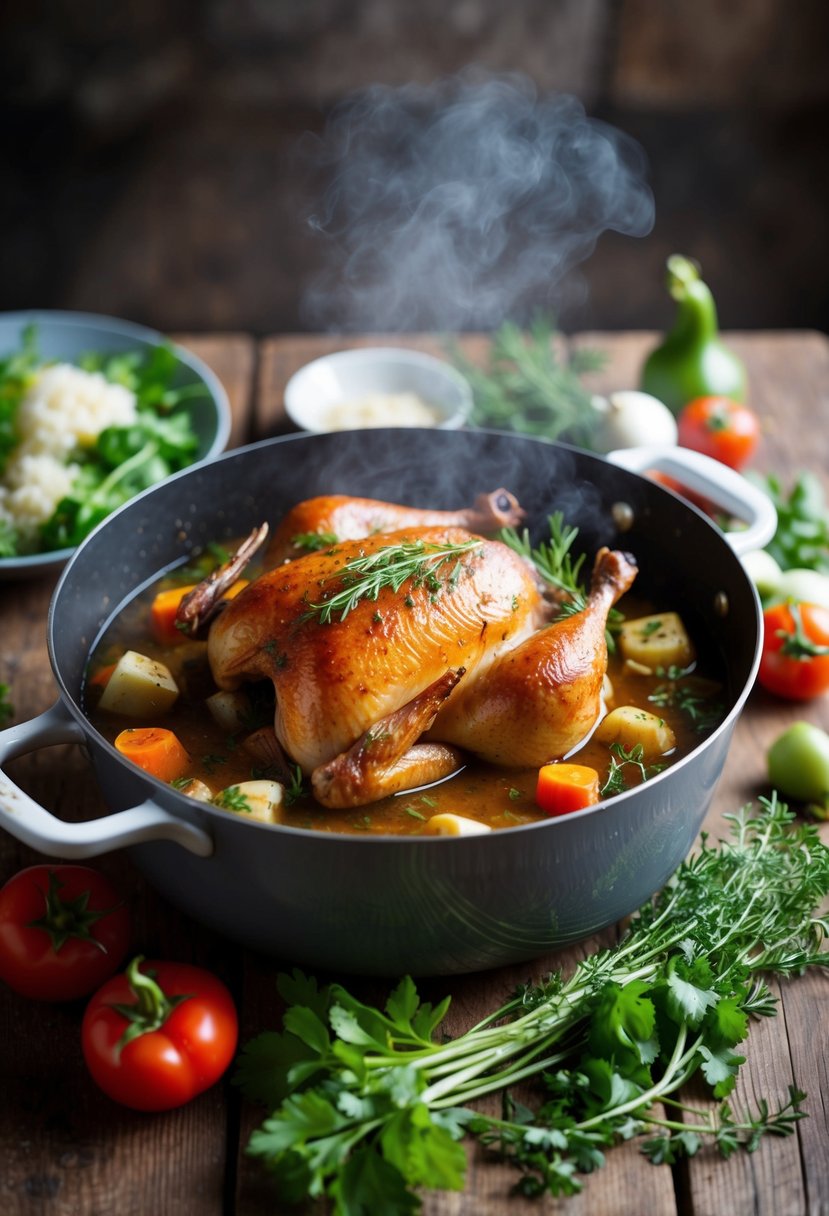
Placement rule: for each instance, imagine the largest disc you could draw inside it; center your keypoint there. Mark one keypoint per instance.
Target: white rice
(63, 412)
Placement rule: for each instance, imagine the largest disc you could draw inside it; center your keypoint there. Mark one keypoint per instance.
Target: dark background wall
(152, 160)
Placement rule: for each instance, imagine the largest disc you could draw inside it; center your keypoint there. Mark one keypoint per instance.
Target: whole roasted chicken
(408, 641)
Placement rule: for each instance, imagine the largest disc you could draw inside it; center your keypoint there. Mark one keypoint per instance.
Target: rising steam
(456, 205)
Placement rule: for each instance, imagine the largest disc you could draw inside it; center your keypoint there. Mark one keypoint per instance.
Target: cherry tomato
(159, 1034)
(795, 658)
(720, 427)
(63, 930)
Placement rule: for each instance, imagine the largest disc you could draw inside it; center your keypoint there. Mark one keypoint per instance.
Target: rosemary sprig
(528, 387)
(364, 577)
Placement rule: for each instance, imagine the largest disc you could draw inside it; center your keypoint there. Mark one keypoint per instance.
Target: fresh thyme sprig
(370, 1103)
(681, 691)
(552, 558)
(622, 759)
(555, 562)
(363, 578)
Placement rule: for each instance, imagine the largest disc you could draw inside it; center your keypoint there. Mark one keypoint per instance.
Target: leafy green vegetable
(124, 459)
(17, 371)
(8, 539)
(802, 537)
(6, 707)
(527, 387)
(368, 1104)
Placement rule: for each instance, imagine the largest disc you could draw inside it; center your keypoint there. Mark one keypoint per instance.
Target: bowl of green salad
(93, 410)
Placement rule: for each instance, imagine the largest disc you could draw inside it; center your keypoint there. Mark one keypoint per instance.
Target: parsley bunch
(368, 1104)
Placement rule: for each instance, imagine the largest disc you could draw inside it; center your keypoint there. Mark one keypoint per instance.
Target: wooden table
(64, 1148)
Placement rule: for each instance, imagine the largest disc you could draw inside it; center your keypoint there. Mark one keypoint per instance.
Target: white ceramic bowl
(65, 336)
(374, 387)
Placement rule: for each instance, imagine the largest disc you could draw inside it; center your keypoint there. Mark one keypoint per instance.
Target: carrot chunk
(165, 605)
(157, 750)
(563, 788)
(100, 678)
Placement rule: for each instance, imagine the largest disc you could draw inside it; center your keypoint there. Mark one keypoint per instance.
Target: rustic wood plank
(233, 358)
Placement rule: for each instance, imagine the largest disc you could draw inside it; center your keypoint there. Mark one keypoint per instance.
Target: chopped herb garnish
(686, 695)
(296, 787)
(212, 761)
(625, 762)
(313, 541)
(232, 799)
(414, 812)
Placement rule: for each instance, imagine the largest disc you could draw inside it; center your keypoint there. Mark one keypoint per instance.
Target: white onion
(630, 419)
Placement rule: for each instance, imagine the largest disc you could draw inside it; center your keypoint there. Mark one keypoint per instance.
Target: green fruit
(798, 763)
(692, 361)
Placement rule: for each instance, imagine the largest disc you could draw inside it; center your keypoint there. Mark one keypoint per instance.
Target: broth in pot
(385, 670)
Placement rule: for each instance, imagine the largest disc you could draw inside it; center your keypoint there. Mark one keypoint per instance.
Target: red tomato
(720, 427)
(795, 658)
(63, 930)
(178, 1039)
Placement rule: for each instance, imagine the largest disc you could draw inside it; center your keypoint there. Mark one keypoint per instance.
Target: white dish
(377, 386)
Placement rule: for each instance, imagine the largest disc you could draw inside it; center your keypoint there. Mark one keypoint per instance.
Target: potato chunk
(656, 641)
(194, 788)
(261, 800)
(229, 710)
(448, 824)
(631, 726)
(139, 687)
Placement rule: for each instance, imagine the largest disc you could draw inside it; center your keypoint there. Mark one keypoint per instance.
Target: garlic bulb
(630, 419)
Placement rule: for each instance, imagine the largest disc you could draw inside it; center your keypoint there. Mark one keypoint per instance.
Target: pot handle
(724, 487)
(35, 826)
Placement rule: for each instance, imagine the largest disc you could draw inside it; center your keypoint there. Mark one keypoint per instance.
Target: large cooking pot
(383, 905)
